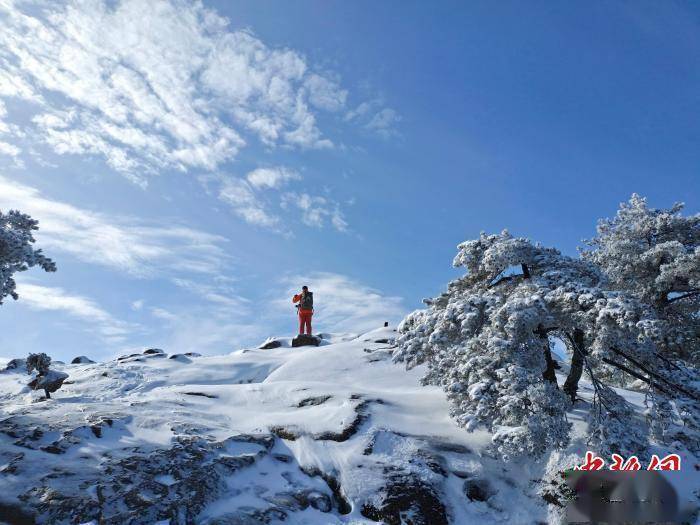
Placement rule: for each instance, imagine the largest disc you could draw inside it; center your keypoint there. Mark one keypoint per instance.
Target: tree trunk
(548, 373)
(577, 357)
(526, 271)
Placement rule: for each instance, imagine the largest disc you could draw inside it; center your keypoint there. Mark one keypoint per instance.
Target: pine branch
(654, 374)
(634, 374)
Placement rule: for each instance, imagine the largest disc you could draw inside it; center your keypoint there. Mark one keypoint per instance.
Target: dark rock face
(15, 514)
(407, 499)
(249, 516)
(305, 340)
(313, 401)
(81, 360)
(201, 394)
(269, 345)
(339, 498)
(152, 351)
(477, 489)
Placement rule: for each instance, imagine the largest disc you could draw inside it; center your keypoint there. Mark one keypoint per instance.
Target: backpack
(307, 301)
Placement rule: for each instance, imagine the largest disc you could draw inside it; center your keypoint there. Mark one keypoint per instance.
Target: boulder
(15, 364)
(406, 494)
(270, 344)
(151, 351)
(81, 360)
(305, 340)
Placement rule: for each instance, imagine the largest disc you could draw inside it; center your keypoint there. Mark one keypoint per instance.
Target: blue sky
(193, 164)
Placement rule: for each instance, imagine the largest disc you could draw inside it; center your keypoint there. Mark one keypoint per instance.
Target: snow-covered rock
(270, 343)
(16, 364)
(81, 360)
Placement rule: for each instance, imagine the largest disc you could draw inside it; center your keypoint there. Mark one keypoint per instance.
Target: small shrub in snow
(38, 362)
(45, 379)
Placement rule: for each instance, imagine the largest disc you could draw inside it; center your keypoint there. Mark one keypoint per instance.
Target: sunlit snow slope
(313, 435)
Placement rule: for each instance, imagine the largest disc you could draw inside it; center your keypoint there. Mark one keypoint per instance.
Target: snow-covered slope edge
(313, 435)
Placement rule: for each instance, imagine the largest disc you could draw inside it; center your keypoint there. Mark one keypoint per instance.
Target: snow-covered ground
(309, 435)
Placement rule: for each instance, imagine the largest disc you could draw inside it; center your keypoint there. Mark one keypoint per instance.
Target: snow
(307, 391)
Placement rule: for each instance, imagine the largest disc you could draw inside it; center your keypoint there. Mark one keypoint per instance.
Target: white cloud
(9, 149)
(271, 177)
(56, 299)
(325, 93)
(248, 198)
(359, 111)
(384, 122)
(13, 84)
(316, 211)
(123, 243)
(342, 304)
(221, 296)
(375, 117)
(240, 196)
(163, 314)
(157, 84)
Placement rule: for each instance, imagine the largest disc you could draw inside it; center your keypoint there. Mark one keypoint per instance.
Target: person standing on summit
(305, 308)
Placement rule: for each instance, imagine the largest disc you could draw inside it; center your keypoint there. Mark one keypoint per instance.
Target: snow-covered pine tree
(655, 255)
(17, 252)
(486, 342)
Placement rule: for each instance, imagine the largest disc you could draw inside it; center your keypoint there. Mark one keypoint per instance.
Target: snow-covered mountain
(310, 435)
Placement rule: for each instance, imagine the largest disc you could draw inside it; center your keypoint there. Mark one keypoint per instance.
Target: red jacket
(296, 299)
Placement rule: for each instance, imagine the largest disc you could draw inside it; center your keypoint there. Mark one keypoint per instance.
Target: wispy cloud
(384, 122)
(87, 311)
(341, 303)
(127, 244)
(156, 84)
(225, 297)
(249, 198)
(316, 211)
(240, 196)
(271, 177)
(374, 116)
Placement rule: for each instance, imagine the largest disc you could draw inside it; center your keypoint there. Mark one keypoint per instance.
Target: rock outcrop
(82, 360)
(305, 340)
(16, 364)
